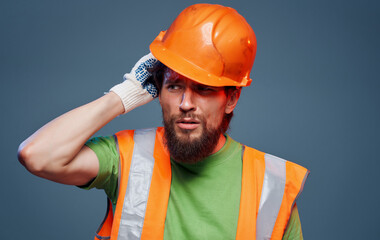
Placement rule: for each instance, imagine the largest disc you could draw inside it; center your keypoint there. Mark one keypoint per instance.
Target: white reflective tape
(271, 196)
(137, 192)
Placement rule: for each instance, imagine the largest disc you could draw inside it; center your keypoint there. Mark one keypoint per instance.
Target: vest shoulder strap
(144, 184)
(270, 187)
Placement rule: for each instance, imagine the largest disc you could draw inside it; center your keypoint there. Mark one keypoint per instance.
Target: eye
(205, 89)
(173, 87)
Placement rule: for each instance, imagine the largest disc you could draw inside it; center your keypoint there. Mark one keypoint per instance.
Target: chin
(188, 135)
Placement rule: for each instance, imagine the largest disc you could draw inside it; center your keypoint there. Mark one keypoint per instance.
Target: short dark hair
(157, 78)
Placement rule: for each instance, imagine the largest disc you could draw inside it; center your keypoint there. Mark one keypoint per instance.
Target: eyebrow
(177, 80)
(208, 86)
(171, 81)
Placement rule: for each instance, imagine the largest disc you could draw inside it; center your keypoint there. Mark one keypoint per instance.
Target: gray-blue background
(314, 100)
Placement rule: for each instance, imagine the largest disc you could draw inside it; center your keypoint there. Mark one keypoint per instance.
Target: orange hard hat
(210, 44)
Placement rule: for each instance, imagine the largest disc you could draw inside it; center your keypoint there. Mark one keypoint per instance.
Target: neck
(220, 144)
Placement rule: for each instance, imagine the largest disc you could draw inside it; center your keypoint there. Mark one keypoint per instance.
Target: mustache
(188, 115)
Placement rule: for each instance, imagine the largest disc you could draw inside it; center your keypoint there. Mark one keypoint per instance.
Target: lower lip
(188, 126)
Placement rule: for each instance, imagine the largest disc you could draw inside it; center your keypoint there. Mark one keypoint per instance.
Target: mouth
(187, 123)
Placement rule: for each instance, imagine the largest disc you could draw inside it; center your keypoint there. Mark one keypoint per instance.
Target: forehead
(171, 76)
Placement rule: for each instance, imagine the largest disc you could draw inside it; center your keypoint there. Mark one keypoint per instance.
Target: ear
(233, 96)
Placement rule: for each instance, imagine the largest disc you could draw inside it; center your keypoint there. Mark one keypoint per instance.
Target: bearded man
(188, 179)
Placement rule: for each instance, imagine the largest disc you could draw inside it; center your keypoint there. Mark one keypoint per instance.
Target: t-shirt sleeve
(107, 179)
(294, 230)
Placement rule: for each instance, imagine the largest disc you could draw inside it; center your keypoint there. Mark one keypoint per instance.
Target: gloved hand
(136, 90)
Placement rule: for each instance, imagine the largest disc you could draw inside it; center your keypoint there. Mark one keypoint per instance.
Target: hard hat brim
(188, 69)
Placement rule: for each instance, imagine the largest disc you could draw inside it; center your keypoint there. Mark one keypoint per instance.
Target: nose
(187, 103)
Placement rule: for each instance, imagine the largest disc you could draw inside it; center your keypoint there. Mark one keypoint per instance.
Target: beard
(184, 149)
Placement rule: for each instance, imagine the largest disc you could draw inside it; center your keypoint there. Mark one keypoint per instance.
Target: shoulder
(127, 139)
(275, 168)
(101, 143)
(252, 153)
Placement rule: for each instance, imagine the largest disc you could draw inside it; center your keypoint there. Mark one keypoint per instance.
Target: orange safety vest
(270, 186)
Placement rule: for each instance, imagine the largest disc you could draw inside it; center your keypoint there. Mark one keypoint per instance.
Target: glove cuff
(131, 94)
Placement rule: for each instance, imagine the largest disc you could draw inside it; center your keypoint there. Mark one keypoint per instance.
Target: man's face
(193, 115)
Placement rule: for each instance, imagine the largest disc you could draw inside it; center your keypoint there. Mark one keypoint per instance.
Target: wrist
(114, 102)
(131, 95)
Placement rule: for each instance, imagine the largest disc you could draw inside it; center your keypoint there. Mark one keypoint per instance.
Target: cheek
(167, 104)
(213, 111)
(165, 109)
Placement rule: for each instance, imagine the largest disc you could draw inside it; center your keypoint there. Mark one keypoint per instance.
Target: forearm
(58, 142)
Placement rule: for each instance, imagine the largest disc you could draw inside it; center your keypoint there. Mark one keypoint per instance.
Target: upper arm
(294, 230)
(107, 152)
(82, 169)
(95, 165)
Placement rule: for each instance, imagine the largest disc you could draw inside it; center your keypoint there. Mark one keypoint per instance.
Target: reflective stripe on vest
(270, 186)
(140, 175)
(271, 196)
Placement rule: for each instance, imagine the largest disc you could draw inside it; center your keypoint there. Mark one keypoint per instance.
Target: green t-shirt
(204, 197)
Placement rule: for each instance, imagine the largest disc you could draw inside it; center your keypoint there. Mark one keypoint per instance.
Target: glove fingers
(140, 70)
(137, 89)
(151, 89)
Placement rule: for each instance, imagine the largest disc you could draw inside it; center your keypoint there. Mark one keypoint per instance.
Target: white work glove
(135, 90)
